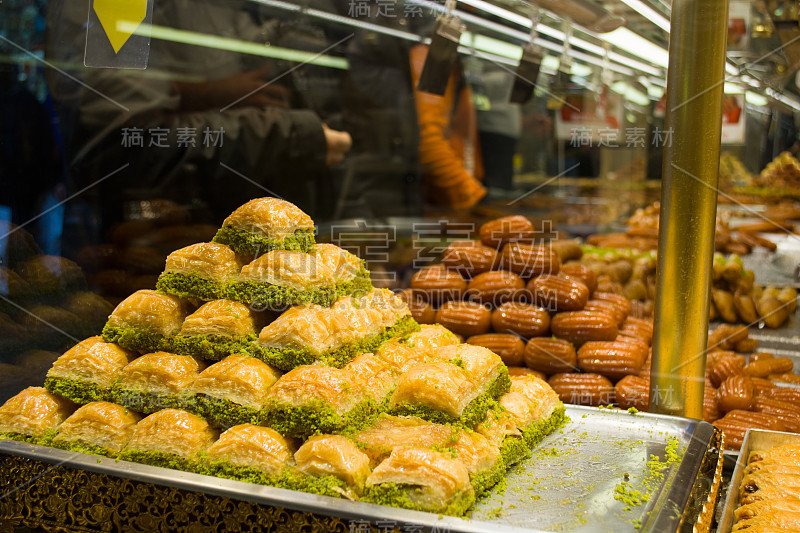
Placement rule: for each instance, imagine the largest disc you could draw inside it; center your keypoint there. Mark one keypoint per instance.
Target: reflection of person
(267, 144)
(449, 150)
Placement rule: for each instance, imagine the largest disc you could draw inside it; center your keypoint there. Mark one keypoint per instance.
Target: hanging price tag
(117, 34)
(442, 55)
(527, 72)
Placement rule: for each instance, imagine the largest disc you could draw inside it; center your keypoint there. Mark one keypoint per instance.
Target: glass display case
(410, 133)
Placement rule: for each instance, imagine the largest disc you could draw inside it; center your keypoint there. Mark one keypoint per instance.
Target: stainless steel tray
(754, 439)
(568, 485)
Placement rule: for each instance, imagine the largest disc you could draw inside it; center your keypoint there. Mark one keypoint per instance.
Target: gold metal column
(688, 205)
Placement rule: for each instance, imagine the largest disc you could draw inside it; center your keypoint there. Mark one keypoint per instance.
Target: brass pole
(688, 205)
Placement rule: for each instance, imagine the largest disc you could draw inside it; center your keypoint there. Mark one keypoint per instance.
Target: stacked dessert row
(351, 398)
(264, 256)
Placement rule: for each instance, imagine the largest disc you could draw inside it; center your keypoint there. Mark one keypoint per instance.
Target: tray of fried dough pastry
(762, 496)
(605, 470)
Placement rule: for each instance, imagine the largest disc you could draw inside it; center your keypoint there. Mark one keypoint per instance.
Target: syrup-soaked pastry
(317, 398)
(403, 353)
(200, 271)
(390, 307)
(764, 484)
(101, 428)
(265, 224)
(170, 438)
(216, 330)
(307, 334)
(374, 375)
(752, 510)
(232, 391)
(345, 265)
(456, 388)
(145, 321)
(422, 480)
(335, 459)
(534, 406)
(500, 428)
(248, 449)
(156, 380)
(482, 459)
(788, 454)
(86, 371)
(389, 432)
(770, 521)
(281, 278)
(33, 415)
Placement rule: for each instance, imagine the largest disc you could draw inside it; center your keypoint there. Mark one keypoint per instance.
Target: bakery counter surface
(606, 470)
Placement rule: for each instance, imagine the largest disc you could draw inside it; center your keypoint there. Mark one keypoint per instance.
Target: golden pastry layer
(344, 265)
(173, 432)
(333, 455)
(373, 374)
(225, 318)
(238, 378)
(288, 269)
(34, 412)
(389, 432)
(151, 311)
(270, 217)
(208, 260)
(438, 481)
(98, 424)
(252, 446)
(160, 373)
(305, 385)
(92, 360)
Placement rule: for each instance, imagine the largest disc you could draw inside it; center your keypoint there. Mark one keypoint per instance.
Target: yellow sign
(112, 12)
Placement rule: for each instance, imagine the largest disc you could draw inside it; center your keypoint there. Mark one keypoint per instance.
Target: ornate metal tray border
(67, 491)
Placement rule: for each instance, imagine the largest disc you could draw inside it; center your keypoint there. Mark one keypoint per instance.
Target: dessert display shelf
(605, 468)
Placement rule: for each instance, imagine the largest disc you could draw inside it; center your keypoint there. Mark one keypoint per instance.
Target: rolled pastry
(101, 428)
(216, 330)
(156, 380)
(250, 453)
(265, 224)
(316, 398)
(200, 271)
(422, 480)
(232, 391)
(335, 463)
(170, 438)
(86, 371)
(145, 321)
(33, 415)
